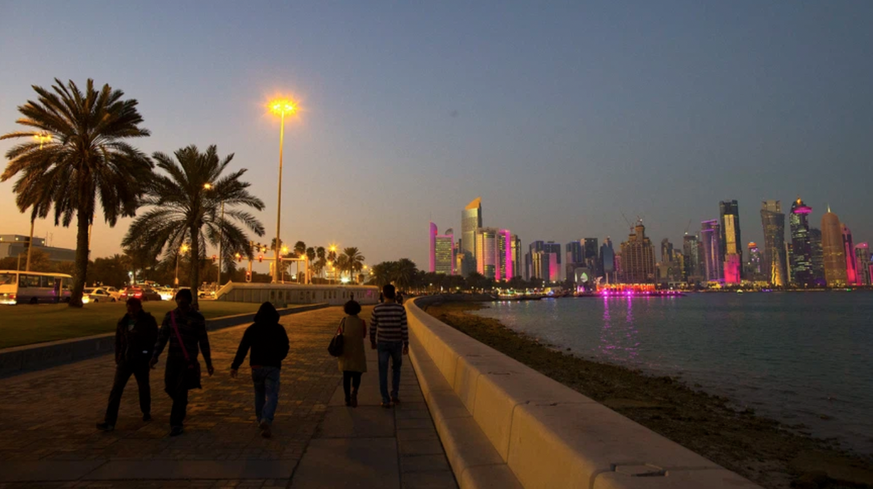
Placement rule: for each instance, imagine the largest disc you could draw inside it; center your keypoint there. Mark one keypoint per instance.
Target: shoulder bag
(335, 348)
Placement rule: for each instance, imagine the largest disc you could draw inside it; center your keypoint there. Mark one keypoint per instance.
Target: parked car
(142, 293)
(113, 292)
(97, 294)
(166, 293)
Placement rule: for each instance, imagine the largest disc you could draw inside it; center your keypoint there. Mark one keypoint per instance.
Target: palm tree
(186, 206)
(405, 273)
(87, 156)
(354, 260)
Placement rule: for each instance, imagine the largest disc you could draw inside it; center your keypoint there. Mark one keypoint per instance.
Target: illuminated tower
(442, 251)
(833, 250)
(801, 250)
(851, 264)
(691, 250)
(638, 257)
(607, 261)
(487, 252)
(817, 256)
(471, 220)
(862, 260)
(753, 266)
(773, 221)
(515, 248)
(731, 242)
(710, 237)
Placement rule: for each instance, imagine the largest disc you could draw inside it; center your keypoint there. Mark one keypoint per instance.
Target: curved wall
(544, 434)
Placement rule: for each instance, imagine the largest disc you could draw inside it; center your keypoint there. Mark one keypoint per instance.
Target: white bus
(17, 287)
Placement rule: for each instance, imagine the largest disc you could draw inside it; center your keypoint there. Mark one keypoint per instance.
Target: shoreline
(763, 450)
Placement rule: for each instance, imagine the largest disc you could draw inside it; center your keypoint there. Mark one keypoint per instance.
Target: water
(796, 357)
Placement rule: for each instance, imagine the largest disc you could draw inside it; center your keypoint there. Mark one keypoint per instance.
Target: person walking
(269, 344)
(389, 334)
(352, 363)
(185, 330)
(135, 337)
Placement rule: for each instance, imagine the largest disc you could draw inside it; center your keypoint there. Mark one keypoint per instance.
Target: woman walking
(352, 363)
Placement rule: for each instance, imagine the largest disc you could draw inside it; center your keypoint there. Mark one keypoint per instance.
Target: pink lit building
(442, 251)
(851, 264)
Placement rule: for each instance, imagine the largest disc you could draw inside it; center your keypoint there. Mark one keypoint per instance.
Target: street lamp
(42, 138)
(183, 249)
(281, 107)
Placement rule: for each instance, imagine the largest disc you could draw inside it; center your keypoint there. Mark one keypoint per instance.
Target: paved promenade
(48, 438)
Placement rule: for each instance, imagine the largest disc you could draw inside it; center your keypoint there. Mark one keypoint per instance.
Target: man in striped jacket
(389, 335)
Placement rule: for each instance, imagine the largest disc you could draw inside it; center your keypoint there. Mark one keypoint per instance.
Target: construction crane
(688, 226)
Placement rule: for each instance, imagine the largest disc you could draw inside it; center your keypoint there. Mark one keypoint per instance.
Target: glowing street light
(183, 249)
(280, 107)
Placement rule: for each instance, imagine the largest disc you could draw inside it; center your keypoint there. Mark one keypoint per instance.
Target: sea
(798, 357)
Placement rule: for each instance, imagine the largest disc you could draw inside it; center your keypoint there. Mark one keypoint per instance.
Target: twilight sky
(560, 115)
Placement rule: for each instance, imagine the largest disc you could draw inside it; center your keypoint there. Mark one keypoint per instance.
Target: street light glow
(207, 186)
(184, 248)
(281, 106)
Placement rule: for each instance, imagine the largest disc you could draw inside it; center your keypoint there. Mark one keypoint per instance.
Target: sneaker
(105, 427)
(266, 431)
(146, 417)
(176, 431)
(387, 405)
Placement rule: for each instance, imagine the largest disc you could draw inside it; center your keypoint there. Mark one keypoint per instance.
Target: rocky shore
(768, 452)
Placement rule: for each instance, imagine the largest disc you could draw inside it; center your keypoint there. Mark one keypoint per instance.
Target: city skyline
(560, 117)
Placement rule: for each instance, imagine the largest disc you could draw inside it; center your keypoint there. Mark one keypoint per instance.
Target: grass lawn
(27, 324)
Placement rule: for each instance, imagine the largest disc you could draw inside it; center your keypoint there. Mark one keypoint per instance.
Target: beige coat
(353, 358)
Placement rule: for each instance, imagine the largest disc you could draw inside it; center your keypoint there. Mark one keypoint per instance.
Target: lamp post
(280, 107)
(183, 249)
(42, 138)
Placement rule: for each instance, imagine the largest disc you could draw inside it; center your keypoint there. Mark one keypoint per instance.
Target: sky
(561, 116)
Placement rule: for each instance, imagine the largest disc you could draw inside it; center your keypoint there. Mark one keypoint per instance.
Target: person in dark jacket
(188, 325)
(269, 344)
(135, 337)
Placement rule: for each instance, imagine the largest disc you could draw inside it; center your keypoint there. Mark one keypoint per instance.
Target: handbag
(335, 348)
(191, 375)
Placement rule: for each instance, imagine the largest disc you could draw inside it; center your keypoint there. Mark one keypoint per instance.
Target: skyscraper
(607, 261)
(801, 250)
(753, 265)
(638, 256)
(574, 258)
(442, 253)
(710, 237)
(862, 260)
(553, 248)
(851, 264)
(471, 220)
(487, 252)
(731, 242)
(773, 221)
(516, 257)
(533, 272)
(690, 247)
(833, 249)
(816, 256)
(504, 253)
(592, 253)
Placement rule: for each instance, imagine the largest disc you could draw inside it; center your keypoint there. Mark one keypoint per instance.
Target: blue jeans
(394, 351)
(266, 380)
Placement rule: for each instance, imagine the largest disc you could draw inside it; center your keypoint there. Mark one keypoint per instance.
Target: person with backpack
(352, 362)
(184, 329)
(135, 337)
(269, 344)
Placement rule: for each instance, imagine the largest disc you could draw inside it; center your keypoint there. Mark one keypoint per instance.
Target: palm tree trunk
(81, 258)
(195, 265)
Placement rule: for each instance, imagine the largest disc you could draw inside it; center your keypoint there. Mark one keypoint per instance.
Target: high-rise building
(731, 242)
(851, 264)
(574, 257)
(833, 249)
(753, 265)
(666, 250)
(592, 255)
(516, 257)
(532, 272)
(710, 237)
(862, 259)
(773, 221)
(607, 261)
(442, 253)
(638, 256)
(816, 256)
(553, 248)
(690, 247)
(487, 252)
(801, 251)
(471, 220)
(619, 271)
(504, 254)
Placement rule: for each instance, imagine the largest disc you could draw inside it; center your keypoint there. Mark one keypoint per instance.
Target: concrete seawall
(504, 424)
(43, 355)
